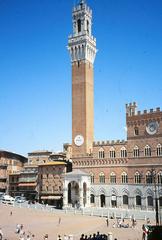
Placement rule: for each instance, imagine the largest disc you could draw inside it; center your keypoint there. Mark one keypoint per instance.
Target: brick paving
(40, 222)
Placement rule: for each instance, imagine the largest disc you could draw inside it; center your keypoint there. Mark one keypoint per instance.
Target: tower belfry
(82, 48)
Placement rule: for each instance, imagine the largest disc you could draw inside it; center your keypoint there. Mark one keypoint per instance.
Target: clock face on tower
(152, 127)
(79, 140)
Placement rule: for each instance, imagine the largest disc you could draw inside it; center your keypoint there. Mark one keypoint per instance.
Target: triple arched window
(147, 151)
(123, 152)
(112, 152)
(112, 177)
(101, 153)
(92, 177)
(159, 150)
(149, 178)
(137, 178)
(102, 177)
(124, 177)
(136, 151)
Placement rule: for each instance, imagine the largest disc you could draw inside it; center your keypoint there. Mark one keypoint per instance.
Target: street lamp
(154, 180)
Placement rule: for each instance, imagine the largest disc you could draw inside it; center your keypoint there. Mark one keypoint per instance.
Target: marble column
(143, 203)
(88, 198)
(65, 197)
(81, 197)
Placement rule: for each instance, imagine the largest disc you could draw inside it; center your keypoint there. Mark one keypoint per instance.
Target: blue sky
(35, 69)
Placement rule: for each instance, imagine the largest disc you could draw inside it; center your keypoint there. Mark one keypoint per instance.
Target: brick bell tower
(82, 48)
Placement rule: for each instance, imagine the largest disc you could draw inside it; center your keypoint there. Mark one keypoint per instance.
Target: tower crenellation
(131, 109)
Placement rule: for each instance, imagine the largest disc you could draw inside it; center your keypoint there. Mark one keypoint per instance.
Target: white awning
(51, 197)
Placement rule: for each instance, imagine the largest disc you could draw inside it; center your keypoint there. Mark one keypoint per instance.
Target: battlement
(81, 7)
(131, 110)
(144, 112)
(134, 104)
(107, 142)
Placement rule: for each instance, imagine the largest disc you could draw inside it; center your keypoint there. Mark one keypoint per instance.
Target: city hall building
(122, 173)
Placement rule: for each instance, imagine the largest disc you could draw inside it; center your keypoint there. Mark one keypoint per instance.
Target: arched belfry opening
(79, 25)
(76, 190)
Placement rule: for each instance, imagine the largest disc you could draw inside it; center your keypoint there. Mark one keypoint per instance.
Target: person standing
(107, 221)
(46, 237)
(59, 221)
(1, 234)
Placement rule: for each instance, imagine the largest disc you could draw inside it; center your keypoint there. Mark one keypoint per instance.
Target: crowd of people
(95, 236)
(22, 234)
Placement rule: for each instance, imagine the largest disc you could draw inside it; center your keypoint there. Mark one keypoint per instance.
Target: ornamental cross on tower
(82, 1)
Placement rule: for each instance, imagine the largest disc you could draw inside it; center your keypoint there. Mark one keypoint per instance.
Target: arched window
(147, 151)
(79, 25)
(102, 177)
(123, 152)
(136, 151)
(150, 201)
(124, 177)
(160, 178)
(112, 152)
(92, 177)
(136, 131)
(159, 150)
(149, 178)
(125, 199)
(87, 26)
(160, 201)
(101, 153)
(138, 200)
(92, 198)
(137, 178)
(112, 177)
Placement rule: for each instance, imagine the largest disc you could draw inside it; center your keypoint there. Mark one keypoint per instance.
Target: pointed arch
(125, 191)
(137, 178)
(124, 177)
(114, 192)
(101, 177)
(147, 151)
(101, 153)
(112, 177)
(159, 150)
(92, 177)
(123, 152)
(149, 192)
(149, 177)
(136, 152)
(112, 152)
(102, 191)
(137, 191)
